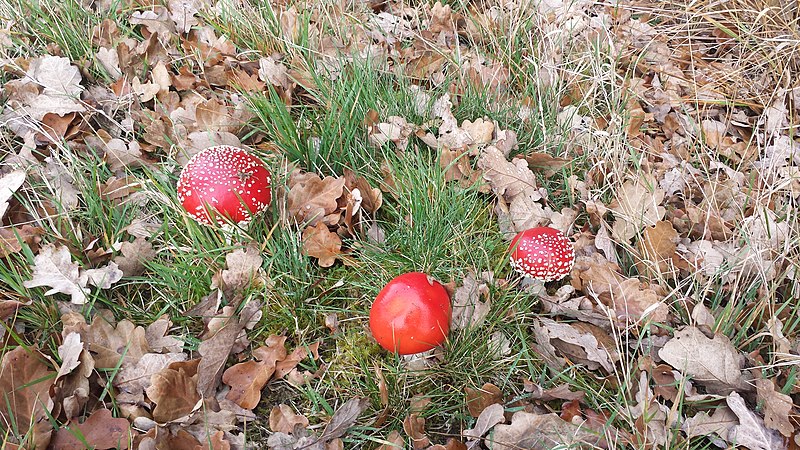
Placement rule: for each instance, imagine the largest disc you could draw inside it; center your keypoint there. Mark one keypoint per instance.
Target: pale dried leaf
(777, 407)
(321, 243)
(53, 267)
(637, 205)
(539, 432)
(9, 184)
(751, 432)
(719, 422)
(489, 417)
(507, 179)
(282, 419)
(714, 363)
(468, 309)
(103, 277)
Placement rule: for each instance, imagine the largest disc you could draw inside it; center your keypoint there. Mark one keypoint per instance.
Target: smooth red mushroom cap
(542, 253)
(225, 181)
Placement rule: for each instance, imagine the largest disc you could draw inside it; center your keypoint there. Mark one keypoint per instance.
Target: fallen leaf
(560, 392)
(283, 419)
(53, 267)
(777, 407)
(546, 163)
(657, 247)
(9, 184)
(103, 277)
(396, 129)
(100, 431)
(321, 243)
(714, 363)
(133, 256)
(216, 349)
(719, 422)
(243, 266)
(468, 309)
(636, 205)
(539, 432)
(580, 345)
(488, 418)
(394, 441)
(175, 393)
(248, 378)
(25, 382)
(314, 198)
(344, 418)
(507, 179)
(480, 399)
(751, 432)
(414, 426)
(12, 238)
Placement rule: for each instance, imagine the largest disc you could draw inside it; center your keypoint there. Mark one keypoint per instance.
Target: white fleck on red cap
(227, 182)
(542, 253)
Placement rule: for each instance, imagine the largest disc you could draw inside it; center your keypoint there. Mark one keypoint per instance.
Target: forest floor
(658, 136)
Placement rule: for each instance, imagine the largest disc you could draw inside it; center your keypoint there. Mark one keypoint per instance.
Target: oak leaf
(313, 198)
(53, 267)
(751, 432)
(283, 419)
(321, 243)
(100, 431)
(25, 382)
(539, 432)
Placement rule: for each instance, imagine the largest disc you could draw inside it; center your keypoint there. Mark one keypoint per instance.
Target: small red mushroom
(542, 253)
(224, 182)
(411, 314)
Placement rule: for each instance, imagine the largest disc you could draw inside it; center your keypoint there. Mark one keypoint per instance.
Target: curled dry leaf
(9, 184)
(244, 264)
(703, 424)
(488, 418)
(12, 238)
(174, 391)
(714, 363)
(53, 267)
(394, 441)
(247, 379)
(582, 343)
(414, 426)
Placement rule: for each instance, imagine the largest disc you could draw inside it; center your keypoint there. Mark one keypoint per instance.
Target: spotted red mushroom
(542, 253)
(224, 182)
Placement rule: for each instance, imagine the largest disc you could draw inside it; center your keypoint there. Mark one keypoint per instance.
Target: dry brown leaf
(719, 422)
(657, 247)
(116, 188)
(636, 205)
(216, 349)
(468, 309)
(546, 163)
(751, 432)
(108, 343)
(539, 432)
(243, 268)
(174, 391)
(319, 242)
(560, 392)
(480, 399)
(25, 382)
(507, 179)
(585, 344)
(414, 426)
(313, 198)
(651, 416)
(283, 419)
(133, 256)
(488, 418)
(394, 442)
(777, 407)
(100, 431)
(12, 238)
(246, 380)
(396, 129)
(714, 363)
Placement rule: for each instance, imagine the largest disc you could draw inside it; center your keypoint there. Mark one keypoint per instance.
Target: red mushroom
(542, 253)
(411, 314)
(224, 182)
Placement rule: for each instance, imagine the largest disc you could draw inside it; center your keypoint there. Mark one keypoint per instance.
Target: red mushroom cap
(542, 253)
(411, 314)
(226, 182)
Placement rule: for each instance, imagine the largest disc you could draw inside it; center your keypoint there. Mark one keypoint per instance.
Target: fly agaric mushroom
(224, 182)
(542, 253)
(411, 314)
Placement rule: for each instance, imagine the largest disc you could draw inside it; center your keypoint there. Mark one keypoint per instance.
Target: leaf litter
(713, 215)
